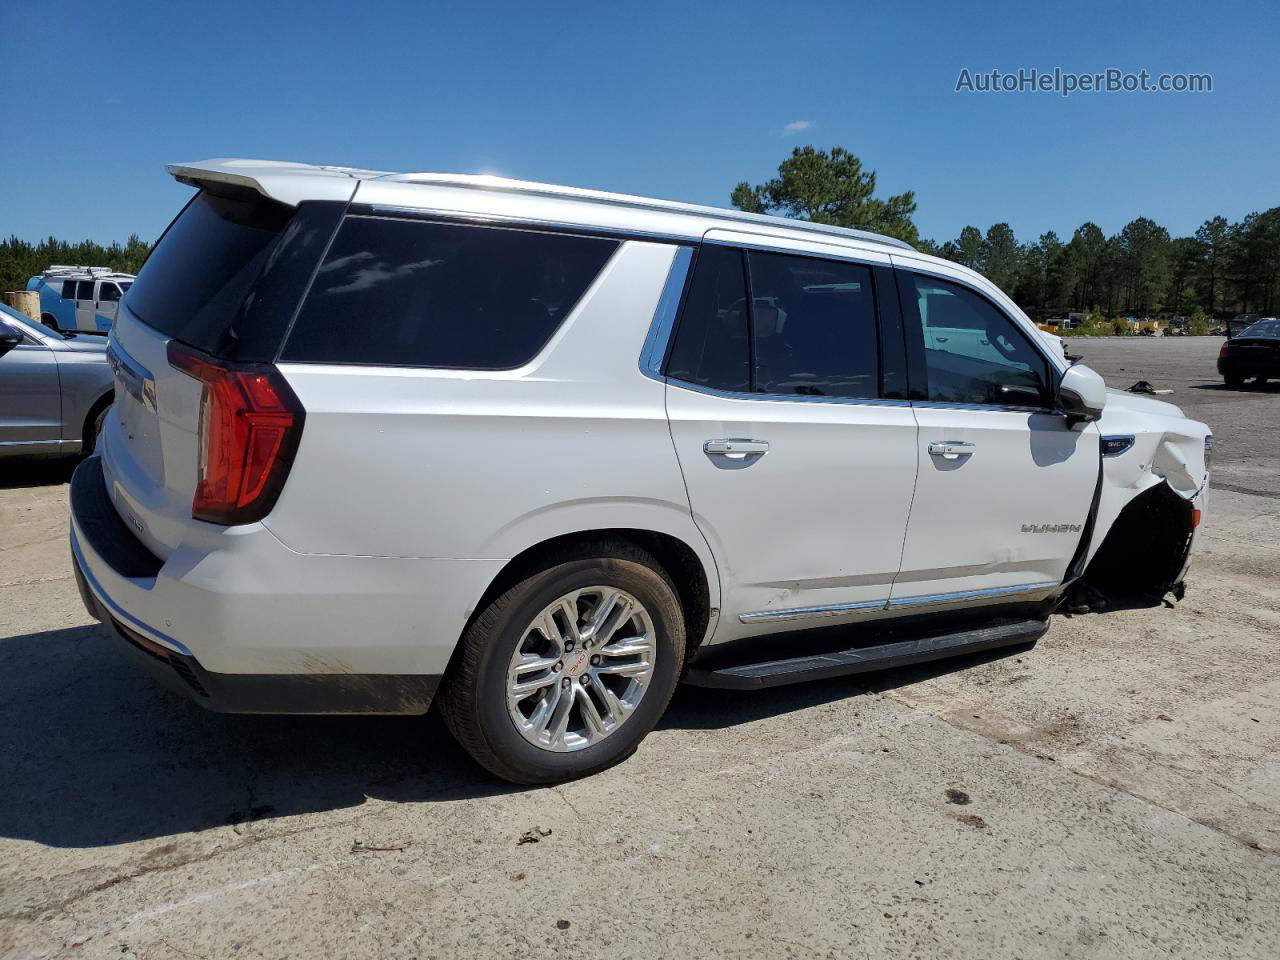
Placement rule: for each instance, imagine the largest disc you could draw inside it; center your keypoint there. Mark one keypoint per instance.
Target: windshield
(1263, 328)
(9, 313)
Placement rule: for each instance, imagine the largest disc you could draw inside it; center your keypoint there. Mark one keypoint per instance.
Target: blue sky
(679, 100)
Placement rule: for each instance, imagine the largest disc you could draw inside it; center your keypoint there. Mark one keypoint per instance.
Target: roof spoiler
(288, 183)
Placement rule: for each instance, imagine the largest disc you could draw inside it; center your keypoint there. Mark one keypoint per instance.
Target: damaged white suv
(546, 452)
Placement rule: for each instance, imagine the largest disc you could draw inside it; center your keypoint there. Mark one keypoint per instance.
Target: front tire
(568, 669)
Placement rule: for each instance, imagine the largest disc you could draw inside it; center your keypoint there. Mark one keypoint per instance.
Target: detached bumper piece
(820, 665)
(344, 693)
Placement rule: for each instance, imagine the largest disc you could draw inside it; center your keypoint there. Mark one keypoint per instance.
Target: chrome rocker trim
(867, 606)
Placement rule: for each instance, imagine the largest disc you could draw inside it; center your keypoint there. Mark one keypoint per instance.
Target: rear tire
(479, 700)
(50, 321)
(1233, 381)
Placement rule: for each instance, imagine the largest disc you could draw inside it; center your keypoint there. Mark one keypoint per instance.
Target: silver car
(55, 388)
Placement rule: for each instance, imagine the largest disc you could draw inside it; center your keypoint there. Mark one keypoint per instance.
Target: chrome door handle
(950, 449)
(735, 447)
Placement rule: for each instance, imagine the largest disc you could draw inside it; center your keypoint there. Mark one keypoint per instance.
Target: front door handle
(731, 447)
(950, 449)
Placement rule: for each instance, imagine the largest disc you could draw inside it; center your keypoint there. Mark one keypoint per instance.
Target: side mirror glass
(1082, 393)
(8, 341)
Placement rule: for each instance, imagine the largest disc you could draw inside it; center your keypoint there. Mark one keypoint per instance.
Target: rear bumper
(265, 693)
(1230, 366)
(248, 625)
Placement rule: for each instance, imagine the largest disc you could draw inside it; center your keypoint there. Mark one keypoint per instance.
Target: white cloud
(795, 126)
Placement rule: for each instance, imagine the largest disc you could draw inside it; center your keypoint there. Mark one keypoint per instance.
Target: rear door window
(778, 324)
(813, 327)
(84, 290)
(711, 347)
(421, 293)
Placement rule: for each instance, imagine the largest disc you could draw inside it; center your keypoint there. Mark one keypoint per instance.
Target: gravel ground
(1112, 792)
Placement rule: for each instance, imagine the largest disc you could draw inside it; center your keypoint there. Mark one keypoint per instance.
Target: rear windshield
(199, 274)
(1264, 328)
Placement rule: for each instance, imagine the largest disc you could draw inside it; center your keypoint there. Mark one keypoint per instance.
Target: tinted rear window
(198, 276)
(418, 293)
(1264, 328)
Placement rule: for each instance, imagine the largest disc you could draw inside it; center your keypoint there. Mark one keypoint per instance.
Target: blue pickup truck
(80, 299)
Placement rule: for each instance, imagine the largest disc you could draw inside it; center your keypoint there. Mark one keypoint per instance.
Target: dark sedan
(1252, 353)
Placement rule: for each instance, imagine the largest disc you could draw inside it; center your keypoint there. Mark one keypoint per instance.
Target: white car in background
(545, 452)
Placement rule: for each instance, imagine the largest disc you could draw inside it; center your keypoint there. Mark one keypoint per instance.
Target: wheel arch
(1144, 549)
(87, 441)
(697, 586)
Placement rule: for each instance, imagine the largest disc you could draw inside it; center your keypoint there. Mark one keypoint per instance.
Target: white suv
(549, 451)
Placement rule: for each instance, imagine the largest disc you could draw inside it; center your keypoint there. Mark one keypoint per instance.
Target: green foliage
(21, 260)
(829, 188)
(1225, 268)
(1198, 323)
(1119, 327)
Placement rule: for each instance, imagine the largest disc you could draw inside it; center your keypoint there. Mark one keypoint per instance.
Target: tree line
(1224, 268)
(21, 260)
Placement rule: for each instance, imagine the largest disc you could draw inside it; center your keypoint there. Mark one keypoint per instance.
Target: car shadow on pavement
(37, 471)
(701, 708)
(1271, 386)
(94, 753)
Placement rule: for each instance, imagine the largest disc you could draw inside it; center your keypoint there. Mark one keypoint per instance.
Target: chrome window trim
(984, 407)
(836, 253)
(654, 350)
(788, 397)
(867, 606)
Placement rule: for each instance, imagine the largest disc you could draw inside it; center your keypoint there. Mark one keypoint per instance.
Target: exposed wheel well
(1146, 547)
(49, 320)
(676, 557)
(87, 439)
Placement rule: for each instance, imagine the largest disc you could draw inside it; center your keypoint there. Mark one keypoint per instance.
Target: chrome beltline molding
(867, 606)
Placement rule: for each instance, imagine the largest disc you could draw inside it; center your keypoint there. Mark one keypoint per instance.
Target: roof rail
(483, 182)
(61, 270)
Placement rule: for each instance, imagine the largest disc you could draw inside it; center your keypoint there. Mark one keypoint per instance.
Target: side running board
(837, 663)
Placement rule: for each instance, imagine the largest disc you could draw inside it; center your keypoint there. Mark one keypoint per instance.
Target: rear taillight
(250, 424)
(1222, 352)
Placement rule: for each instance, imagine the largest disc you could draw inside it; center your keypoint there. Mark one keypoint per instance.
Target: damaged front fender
(1153, 492)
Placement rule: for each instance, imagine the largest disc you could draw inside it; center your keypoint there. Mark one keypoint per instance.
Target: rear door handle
(950, 449)
(735, 447)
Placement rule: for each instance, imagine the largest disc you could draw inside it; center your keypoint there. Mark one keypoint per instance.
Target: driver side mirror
(1082, 393)
(8, 340)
